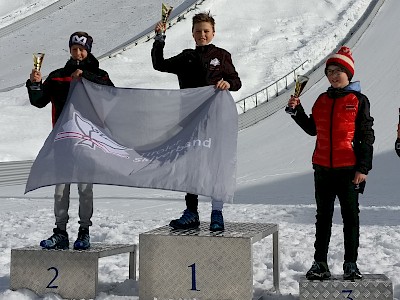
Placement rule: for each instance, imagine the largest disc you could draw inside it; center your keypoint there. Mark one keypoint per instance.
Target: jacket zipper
(331, 135)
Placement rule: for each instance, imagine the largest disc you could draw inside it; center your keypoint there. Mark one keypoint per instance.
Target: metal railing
(177, 15)
(14, 172)
(271, 91)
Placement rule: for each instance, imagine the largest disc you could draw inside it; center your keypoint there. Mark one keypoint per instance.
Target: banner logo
(90, 136)
(215, 62)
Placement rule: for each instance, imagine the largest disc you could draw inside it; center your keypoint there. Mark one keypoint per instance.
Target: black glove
(360, 187)
(397, 147)
(291, 110)
(160, 37)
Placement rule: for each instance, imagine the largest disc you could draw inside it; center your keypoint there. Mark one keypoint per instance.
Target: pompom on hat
(81, 38)
(343, 58)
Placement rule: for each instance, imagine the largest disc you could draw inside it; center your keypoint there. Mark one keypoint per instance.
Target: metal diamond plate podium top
(371, 286)
(99, 250)
(253, 231)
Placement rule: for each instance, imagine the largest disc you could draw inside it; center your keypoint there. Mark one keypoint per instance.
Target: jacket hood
(351, 87)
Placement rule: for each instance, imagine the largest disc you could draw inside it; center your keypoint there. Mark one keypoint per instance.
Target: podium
(71, 274)
(371, 287)
(200, 264)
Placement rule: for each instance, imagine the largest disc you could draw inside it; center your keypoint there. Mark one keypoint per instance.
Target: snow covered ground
(274, 180)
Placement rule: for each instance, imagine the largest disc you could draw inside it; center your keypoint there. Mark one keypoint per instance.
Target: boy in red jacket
(342, 158)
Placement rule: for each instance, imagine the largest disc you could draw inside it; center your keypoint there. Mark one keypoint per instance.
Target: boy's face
(203, 33)
(78, 52)
(337, 77)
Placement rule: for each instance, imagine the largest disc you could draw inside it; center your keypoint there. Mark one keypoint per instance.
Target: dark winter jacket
(203, 66)
(342, 122)
(56, 86)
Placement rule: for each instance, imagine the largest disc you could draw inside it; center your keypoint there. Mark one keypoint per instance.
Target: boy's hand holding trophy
(161, 26)
(36, 76)
(301, 82)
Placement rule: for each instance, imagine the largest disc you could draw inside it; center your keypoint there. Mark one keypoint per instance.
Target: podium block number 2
(193, 267)
(50, 285)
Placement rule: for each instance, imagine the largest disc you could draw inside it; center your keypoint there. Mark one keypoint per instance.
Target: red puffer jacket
(335, 122)
(342, 122)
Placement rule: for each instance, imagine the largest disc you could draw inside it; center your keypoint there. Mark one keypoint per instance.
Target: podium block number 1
(193, 267)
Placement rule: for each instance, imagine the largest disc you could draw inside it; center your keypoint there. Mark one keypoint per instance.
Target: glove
(160, 37)
(291, 110)
(397, 147)
(360, 187)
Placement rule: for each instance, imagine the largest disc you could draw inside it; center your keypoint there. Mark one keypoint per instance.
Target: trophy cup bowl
(37, 64)
(165, 13)
(301, 82)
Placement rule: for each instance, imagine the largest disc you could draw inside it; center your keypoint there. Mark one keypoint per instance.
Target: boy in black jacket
(55, 90)
(202, 66)
(341, 160)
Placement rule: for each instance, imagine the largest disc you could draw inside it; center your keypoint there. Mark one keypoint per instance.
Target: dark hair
(203, 17)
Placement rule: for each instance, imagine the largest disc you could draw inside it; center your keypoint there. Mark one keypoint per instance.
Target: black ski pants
(330, 183)
(192, 202)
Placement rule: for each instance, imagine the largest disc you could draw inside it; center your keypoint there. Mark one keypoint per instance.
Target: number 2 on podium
(50, 286)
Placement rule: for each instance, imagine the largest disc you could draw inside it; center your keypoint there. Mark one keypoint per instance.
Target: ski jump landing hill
(279, 138)
(264, 110)
(110, 31)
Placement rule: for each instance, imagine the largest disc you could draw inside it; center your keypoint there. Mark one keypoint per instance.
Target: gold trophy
(37, 64)
(165, 13)
(301, 82)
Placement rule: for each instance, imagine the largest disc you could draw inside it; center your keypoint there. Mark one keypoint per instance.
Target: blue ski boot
(58, 241)
(217, 221)
(189, 220)
(83, 240)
